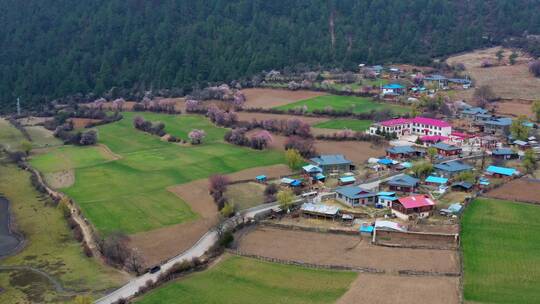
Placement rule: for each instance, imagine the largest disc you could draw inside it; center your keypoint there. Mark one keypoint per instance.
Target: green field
(10, 137)
(129, 194)
(339, 124)
(50, 247)
(243, 280)
(245, 195)
(342, 103)
(501, 252)
(42, 137)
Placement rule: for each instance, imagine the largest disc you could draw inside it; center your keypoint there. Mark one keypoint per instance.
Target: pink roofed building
(422, 126)
(413, 207)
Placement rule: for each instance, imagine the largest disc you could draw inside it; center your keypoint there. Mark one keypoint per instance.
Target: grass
(245, 195)
(501, 246)
(50, 247)
(42, 137)
(353, 124)
(243, 280)
(342, 103)
(10, 137)
(129, 194)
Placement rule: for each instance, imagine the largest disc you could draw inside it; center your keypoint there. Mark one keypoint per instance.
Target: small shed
(504, 153)
(462, 186)
(403, 183)
(261, 178)
(446, 149)
(346, 180)
(319, 210)
(436, 180)
(385, 199)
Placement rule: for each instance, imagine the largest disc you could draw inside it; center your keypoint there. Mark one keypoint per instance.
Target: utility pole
(18, 106)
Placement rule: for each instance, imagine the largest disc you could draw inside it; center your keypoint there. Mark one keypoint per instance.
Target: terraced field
(129, 194)
(343, 103)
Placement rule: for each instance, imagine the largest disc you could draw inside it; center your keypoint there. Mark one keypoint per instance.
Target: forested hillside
(54, 48)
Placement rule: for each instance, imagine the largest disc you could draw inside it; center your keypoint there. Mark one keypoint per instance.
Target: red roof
(433, 138)
(393, 122)
(415, 201)
(419, 120)
(431, 122)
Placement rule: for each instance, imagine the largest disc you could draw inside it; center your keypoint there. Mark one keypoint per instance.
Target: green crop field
(353, 124)
(50, 247)
(501, 252)
(342, 103)
(243, 280)
(129, 194)
(10, 137)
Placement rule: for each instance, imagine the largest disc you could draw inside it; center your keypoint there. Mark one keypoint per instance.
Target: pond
(9, 241)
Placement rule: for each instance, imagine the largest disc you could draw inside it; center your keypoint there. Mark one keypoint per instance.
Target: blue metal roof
(406, 165)
(475, 111)
(501, 170)
(312, 169)
(347, 179)
(436, 179)
(436, 77)
(386, 193)
(330, 159)
(260, 177)
(401, 150)
(404, 180)
(393, 86)
(501, 121)
(385, 161)
(354, 192)
(454, 166)
(503, 151)
(320, 176)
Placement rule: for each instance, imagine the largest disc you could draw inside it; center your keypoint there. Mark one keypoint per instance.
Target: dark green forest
(54, 48)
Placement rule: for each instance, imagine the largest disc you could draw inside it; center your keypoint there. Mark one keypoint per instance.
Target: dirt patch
(269, 98)
(246, 116)
(385, 289)
(356, 151)
(107, 153)
(523, 190)
(514, 107)
(507, 81)
(32, 120)
(161, 244)
(60, 179)
(325, 248)
(80, 123)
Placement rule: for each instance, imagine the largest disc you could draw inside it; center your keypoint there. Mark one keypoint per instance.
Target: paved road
(128, 290)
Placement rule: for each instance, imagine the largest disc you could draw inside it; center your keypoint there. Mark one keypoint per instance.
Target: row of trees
(258, 141)
(157, 128)
(157, 105)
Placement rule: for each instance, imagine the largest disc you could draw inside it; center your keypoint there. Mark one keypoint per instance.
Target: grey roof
(404, 180)
(475, 111)
(331, 159)
(455, 166)
(459, 80)
(445, 147)
(465, 185)
(436, 77)
(501, 121)
(503, 151)
(354, 192)
(401, 149)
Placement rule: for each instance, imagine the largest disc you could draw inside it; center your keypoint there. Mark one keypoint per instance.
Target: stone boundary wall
(418, 240)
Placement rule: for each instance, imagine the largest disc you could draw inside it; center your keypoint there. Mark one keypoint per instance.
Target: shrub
(77, 233)
(87, 251)
(226, 239)
(534, 68)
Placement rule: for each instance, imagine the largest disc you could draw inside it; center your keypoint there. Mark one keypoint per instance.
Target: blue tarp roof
(436, 179)
(455, 166)
(331, 159)
(393, 86)
(406, 165)
(385, 161)
(320, 176)
(501, 121)
(405, 180)
(367, 229)
(260, 177)
(501, 170)
(296, 183)
(386, 193)
(355, 192)
(347, 179)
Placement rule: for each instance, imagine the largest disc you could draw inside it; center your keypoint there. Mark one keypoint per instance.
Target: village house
(459, 83)
(449, 169)
(403, 183)
(413, 207)
(332, 163)
(413, 126)
(462, 186)
(355, 196)
(403, 152)
(436, 181)
(473, 113)
(497, 125)
(346, 180)
(500, 172)
(436, 81)
(393, 89)
(314, 172)
(504, 154)
(385, 199)
(446, 149)
(522, 145)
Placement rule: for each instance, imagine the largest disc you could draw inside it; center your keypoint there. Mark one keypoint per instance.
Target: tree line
(115, 48)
